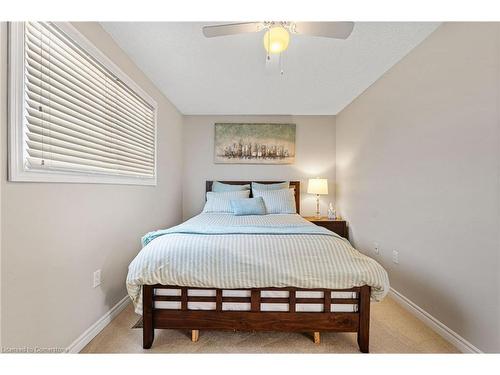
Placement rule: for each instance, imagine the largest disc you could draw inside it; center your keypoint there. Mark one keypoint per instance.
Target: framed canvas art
(264, 143)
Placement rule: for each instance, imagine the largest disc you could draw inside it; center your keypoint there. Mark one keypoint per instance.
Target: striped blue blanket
(216, 223)
(230, 252)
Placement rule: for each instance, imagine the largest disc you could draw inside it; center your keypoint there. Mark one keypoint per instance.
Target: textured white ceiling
(228, 75)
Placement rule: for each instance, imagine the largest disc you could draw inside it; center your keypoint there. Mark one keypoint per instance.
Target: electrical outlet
(376, 248)
(97, 278)
(395, 256)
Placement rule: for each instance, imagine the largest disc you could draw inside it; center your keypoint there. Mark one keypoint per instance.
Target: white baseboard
(441, 329)
(98, 326)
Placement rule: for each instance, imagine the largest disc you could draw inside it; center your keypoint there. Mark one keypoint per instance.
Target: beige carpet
(393, 330)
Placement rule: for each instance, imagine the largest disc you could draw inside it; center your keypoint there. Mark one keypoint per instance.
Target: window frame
(16, 113)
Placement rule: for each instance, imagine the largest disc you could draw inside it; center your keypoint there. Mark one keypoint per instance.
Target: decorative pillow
(221, 202)
(278, 201)
(218, 187)
(277, 186)
(248, 206)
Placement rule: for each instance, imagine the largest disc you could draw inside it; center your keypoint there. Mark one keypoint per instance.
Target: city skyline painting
(262, 143)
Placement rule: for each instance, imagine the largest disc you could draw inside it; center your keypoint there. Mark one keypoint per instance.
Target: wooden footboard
(255, 319)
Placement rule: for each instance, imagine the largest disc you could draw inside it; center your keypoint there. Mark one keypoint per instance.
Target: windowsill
(54, 177)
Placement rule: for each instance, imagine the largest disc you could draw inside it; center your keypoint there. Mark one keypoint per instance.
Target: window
(74, 116)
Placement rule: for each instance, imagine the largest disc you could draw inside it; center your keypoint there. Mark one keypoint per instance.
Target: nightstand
(337, 226)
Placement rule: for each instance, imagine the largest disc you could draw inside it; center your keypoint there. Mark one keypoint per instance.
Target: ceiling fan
(277, 33)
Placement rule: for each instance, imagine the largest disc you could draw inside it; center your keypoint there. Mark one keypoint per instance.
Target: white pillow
(221, 202)
(280, 201)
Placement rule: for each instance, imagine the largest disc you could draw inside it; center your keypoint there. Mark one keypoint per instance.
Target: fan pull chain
(281, 63)
(268, 44)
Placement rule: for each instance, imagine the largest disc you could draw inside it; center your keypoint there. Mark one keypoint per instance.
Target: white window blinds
(79, 117)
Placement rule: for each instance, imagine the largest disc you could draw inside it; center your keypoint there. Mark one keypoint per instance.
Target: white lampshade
(318, 186)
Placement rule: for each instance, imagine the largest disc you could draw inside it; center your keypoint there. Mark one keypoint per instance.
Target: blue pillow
(221, 202)
(248, 206)
(218, 187)
(277, 186)
(278, 201)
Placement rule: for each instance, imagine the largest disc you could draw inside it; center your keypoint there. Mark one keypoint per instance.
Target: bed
(253, 273)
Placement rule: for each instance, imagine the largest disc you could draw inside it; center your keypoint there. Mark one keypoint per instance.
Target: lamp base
(318, 215)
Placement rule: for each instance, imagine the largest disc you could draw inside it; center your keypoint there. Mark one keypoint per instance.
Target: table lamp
(318, 186)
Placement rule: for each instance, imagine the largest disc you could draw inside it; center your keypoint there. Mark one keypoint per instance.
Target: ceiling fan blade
(232, 28)
(338, 30)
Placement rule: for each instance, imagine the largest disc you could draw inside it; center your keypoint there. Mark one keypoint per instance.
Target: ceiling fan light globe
(276, 39)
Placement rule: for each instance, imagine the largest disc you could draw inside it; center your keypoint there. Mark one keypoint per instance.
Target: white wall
(315, 156)
(418, 163)
(55, 235)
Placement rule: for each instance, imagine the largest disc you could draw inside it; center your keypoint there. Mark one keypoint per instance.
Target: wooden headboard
(293, 184)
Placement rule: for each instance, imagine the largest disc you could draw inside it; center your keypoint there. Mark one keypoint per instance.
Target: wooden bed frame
(255, 319)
